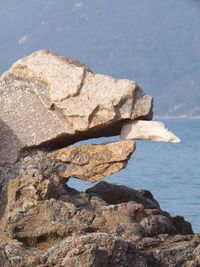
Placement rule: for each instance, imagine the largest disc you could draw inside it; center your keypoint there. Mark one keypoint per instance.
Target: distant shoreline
(182, 117)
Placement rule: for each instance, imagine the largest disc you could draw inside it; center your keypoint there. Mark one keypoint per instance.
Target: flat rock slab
(52, 101)
(94, 162)
(147, 130)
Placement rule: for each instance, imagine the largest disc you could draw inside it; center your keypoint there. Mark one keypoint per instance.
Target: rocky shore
(46, 223)
(49, 102)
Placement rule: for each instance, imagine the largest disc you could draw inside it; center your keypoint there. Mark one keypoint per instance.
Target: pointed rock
(147, 130)
(93, 162)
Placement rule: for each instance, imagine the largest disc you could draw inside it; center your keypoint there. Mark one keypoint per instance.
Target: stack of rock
(49, 102)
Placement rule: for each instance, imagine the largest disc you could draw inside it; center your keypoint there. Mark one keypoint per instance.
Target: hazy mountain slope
(153, 42)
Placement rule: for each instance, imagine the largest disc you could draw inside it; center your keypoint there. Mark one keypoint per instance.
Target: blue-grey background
(154, 42)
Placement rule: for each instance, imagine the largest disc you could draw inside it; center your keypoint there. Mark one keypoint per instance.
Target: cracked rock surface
(49, 100)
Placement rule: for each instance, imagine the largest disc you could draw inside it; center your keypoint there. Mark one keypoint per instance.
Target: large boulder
(51, 101)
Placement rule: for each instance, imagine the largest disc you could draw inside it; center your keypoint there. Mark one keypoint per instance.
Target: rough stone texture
(102, 249)
(14, 254)
(94, 250)
(49, 100)
(91, 250)
(46, 223)
(172, 251)
(147, 130)
(94, 162)
(88, 162)
(37, 211)
(116, 194)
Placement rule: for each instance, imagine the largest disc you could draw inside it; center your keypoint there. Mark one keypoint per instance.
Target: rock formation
(47, 103)
(48, 100)
(46, 223)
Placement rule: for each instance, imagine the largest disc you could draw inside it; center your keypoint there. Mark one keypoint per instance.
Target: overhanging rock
(148, 130)
(93, 162)
(51, 101)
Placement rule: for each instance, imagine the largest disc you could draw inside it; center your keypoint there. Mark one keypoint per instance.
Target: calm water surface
(170, 171)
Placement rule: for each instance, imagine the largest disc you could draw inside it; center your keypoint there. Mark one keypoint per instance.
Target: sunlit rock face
(93, 162)
(52, 101)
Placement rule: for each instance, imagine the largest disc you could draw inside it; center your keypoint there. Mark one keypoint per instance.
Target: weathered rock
(147, 130)
(171, 250)
(94, 250)
(88, 162)
(52, 101)
(176, 250)
(102, 249)
(14, 254)
(93, 162)
(90, 250)
(183, 227)
(115, 194)
(47, 102)
(40, 213)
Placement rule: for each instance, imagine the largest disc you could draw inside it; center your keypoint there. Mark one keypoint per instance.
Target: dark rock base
(45, 223)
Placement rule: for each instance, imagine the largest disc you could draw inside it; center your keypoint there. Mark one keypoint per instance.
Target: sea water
(170, 171)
